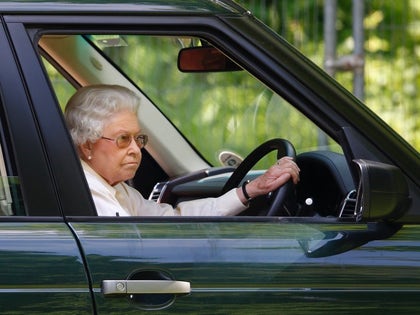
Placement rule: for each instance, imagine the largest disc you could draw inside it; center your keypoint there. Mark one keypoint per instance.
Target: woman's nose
(134, 147)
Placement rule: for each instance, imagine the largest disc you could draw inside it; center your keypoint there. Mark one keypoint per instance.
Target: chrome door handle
(117, 287)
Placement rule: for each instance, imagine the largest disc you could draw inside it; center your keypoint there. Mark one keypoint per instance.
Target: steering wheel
(284, 148)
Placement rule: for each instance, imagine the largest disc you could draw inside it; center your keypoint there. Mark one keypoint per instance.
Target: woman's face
(115, 164)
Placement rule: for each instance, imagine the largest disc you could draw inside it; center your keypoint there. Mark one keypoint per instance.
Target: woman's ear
(85, 150)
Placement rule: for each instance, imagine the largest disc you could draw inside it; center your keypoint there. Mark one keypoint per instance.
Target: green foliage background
(392, 50)
(392, 70)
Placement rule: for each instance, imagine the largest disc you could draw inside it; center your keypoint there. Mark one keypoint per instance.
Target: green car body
(58, 257)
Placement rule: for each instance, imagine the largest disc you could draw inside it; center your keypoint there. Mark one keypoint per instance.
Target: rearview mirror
(204, 59)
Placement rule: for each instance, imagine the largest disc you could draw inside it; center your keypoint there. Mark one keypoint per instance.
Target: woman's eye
(124, 138)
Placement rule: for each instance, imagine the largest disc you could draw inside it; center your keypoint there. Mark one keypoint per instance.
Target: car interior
(175, 166)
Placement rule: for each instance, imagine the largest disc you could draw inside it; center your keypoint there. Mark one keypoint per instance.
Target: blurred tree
(392, 50)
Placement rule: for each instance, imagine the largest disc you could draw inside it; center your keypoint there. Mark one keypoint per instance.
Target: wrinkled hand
(276, 176)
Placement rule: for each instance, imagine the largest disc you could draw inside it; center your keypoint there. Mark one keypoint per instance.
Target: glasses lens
(123, 141)
(141, 140)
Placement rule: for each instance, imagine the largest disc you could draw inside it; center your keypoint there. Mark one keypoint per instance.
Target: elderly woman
(103, 123)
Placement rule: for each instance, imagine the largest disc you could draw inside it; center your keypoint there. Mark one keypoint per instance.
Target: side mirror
(382, 192)
(382, 197)
(204, 59)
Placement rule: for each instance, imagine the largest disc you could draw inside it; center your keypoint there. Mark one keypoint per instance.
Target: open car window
(6, 200)
(239, 110)
(11, 201)
(202, 118)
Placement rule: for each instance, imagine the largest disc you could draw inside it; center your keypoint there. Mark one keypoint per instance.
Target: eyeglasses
(124, 140)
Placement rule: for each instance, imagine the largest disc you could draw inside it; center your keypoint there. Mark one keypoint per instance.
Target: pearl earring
(89, 157)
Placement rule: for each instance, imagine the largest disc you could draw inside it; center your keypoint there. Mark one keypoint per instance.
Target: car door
(41, 268)
(222, 265)
(243, 266)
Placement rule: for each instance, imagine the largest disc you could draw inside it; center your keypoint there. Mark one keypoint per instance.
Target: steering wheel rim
(284, 148)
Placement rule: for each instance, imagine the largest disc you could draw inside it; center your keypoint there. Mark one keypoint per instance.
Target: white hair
(91, 106)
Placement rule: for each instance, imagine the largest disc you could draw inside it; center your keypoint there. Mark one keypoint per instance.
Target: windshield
(228, 104)
(216, 112)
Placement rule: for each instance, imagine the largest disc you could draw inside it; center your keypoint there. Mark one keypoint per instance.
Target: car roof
(201, 7)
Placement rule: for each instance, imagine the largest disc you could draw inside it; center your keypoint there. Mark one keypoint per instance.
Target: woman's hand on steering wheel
(277, 180)
(276, 176)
